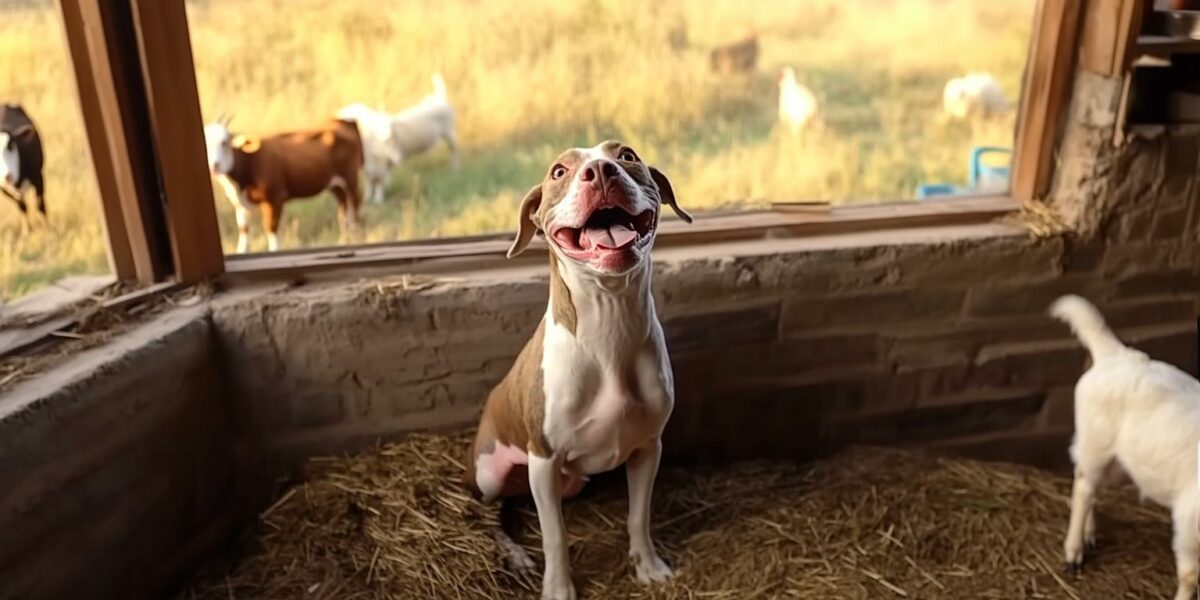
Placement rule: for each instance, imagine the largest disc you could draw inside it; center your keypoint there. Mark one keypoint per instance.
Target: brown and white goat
(271, 170)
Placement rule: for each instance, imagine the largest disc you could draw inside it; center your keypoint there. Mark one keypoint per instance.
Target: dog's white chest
(600, 409)
(603, 435)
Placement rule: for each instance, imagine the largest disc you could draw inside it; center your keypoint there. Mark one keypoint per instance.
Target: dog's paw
(650, 568)
(520, 562)
(518, 559)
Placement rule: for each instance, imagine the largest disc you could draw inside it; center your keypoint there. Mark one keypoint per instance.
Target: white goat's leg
(640, 471)
(1089, 470)
(452, 142)
(545, 481)
(243, 223)
(378, 187)
(1089, 528)
(1186, 544)
(241, 210)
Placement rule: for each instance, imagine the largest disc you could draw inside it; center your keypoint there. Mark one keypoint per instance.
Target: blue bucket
(991, 176)
(929, 190)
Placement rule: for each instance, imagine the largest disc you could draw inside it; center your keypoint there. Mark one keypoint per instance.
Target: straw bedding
(395, 522)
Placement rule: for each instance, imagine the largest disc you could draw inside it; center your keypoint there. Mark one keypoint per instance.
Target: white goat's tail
(1088, 324)
(439, 85)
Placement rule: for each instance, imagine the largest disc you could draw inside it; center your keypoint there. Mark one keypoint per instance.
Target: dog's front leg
(545, 481)
(641, 470)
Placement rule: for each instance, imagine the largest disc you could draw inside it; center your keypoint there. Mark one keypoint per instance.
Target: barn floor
(866, 523)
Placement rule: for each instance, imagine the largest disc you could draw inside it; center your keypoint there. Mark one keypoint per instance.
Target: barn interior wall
(795, 348)
(123, 467)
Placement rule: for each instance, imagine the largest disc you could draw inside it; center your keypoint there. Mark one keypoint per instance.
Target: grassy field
(530, 78)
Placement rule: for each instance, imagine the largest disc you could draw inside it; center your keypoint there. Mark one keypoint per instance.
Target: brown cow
(271, 170)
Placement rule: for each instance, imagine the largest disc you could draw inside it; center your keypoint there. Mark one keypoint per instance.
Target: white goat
(975, 94)
(797, 104)
(417, 128)
(1144, 415)
(380, 152)
(390, 138)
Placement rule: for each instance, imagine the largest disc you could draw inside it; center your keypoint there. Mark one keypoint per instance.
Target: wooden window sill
(433, 255)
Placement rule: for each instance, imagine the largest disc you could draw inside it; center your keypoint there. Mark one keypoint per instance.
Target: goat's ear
(246, 143)
(525, 224)
(667, 193)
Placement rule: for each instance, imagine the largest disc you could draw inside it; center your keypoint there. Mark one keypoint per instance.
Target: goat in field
(268, 171)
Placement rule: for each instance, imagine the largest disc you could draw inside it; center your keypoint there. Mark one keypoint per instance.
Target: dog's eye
(627, 155)
(558, 172)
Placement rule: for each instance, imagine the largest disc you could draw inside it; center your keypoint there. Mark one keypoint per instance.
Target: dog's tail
(1088, 324)
(439, 85)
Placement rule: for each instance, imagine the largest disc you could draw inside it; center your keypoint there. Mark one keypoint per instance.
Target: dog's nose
(598, 171)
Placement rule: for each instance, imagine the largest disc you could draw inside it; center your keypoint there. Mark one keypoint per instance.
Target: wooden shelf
(1165, 46)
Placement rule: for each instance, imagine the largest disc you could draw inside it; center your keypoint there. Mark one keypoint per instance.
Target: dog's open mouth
(606, 229)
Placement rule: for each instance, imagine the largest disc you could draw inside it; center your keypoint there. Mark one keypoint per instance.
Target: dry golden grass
(395, 522)
(531, 77)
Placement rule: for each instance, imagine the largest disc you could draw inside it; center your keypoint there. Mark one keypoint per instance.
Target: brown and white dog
(593, 388)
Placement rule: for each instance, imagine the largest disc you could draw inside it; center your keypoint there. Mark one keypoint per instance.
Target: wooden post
(137, 90)
(96, 69)
(1110, 30)
(1049, 74)
(178, 131)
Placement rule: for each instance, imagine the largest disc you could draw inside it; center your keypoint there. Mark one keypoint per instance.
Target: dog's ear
(525, 226)
(668, 193)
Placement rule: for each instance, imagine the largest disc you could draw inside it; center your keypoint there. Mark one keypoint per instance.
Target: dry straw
(395, 522)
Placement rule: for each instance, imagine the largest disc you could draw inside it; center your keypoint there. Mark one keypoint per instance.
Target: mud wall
(123, 468)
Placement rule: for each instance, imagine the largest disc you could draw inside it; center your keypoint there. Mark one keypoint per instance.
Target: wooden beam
(487, 252)
(1049, 73)
(174, 110)
(129, 254)
(1110, 30)
(112, 101)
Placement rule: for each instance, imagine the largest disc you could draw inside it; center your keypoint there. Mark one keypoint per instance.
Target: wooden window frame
(137, 88)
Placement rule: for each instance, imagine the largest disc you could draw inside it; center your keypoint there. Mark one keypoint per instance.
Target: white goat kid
(1143, 414)
(973, 95)
(416, 129)
(388, 138)
(381, 153)
(797, 104)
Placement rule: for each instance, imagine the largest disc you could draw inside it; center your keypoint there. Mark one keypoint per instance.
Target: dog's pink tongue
(611, 237)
